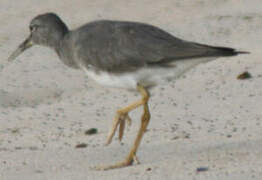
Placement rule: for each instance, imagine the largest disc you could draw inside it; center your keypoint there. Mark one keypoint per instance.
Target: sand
(205, 125)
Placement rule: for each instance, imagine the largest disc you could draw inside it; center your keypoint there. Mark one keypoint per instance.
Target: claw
(121, 129)
(122, 125)
(129, 121)
(113, 130)
(120, 120)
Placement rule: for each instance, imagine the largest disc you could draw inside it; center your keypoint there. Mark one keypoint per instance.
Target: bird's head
(46, 29)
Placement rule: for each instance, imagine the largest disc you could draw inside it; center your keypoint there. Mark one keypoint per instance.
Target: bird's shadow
(29, 98)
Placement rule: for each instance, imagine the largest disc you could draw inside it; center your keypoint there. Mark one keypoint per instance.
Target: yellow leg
(122, 116)
(144, 122)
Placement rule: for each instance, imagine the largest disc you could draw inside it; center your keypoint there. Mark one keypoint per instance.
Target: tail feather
(221, 51)
(196, 50)
(225, 51)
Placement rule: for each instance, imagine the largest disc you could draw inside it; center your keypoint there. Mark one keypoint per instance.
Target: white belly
(148, 76)
(125, 80)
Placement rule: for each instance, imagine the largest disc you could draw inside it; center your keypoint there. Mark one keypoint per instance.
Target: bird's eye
(32, 28)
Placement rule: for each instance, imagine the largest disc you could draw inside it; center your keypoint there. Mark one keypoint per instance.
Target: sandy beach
(206, 125)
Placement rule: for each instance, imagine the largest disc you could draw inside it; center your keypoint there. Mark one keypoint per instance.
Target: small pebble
(82, 145)
(202, 169)
(244, 75)
(229, 136)
(91, 131)
(148, 169)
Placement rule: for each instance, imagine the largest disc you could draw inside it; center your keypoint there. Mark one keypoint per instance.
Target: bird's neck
(58, 43)
(65, 53)
(58, 37)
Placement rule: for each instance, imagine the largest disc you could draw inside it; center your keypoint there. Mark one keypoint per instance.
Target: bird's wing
(154, 45)
(124, 46)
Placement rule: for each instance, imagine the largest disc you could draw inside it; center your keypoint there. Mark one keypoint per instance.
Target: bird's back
(119, 46)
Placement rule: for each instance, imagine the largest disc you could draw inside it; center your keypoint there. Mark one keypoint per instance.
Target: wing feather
(125, 46)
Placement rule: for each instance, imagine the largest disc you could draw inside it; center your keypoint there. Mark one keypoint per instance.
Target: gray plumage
(116, 46)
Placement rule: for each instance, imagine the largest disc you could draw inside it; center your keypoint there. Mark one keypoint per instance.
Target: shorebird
(121, 54)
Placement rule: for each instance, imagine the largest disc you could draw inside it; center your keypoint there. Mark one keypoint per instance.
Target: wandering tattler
(121, 54)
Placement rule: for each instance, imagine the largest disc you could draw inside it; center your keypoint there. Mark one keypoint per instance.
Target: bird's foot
(122, 124)
(114, 166)
(120, 120)
(125, 163)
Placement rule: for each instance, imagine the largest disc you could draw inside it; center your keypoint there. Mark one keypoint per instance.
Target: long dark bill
(21, 48)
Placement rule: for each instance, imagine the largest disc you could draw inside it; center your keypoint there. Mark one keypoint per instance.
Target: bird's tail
(225, 51)
(220, 51)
